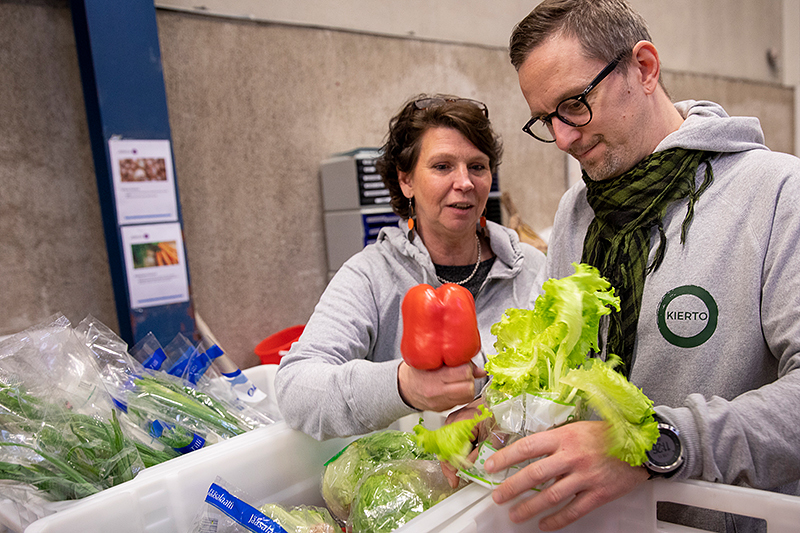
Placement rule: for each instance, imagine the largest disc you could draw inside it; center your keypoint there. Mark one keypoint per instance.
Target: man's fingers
(548, 498)
(531, 476)
(529, 447)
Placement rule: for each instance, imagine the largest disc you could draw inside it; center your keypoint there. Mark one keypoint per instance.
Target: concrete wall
(254, 107)
(688, 32)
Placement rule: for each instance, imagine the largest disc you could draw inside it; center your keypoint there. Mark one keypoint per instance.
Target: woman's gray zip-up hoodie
(718, 339)
(340, 377)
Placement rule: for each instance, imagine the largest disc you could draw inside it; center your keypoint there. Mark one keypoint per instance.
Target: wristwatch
(666, 456)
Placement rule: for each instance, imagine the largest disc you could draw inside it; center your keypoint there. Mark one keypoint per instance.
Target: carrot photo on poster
(154, 254)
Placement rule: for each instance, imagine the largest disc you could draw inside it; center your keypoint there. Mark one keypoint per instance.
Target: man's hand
(585, 476)
(438, 390)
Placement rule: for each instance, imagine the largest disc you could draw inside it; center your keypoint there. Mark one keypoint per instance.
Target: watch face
(666, 450)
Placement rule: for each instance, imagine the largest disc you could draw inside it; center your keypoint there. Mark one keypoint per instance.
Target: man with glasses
(695, 223)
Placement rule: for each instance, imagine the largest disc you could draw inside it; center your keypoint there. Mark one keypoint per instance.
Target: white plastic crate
(277, 464)
(271, 464)
(636, 511)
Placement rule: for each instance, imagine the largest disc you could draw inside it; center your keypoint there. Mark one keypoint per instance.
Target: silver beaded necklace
(474, 270)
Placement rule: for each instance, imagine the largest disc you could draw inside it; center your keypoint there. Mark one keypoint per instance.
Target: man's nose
(565, 134)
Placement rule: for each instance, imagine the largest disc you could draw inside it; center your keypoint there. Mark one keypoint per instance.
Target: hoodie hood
(504, 241)
(709, 128)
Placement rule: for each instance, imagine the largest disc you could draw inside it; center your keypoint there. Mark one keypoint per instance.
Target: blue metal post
(123, 84)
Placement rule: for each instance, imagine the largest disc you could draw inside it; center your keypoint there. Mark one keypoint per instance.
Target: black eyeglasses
(428, 103)
(573, 111)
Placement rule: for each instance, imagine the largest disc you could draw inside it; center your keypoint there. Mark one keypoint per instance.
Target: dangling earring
(482, 228)
(411, 219)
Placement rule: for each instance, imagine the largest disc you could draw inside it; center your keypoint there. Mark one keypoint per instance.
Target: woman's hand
(585, 476)
(438, 390)
(479, 434)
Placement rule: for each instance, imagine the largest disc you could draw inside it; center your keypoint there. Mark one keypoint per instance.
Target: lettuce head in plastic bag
(344, 471)
(395, 492)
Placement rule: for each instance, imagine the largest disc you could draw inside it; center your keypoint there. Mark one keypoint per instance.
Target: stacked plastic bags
(79, 414)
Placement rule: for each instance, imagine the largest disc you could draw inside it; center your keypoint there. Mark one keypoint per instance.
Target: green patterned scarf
(617, 242)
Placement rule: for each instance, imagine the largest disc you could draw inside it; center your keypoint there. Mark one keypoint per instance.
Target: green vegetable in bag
(344, 471)
(395, 492)
(80, 456)
(301, 519)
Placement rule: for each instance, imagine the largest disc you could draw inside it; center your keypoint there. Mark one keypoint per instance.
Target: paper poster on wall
(144, 182)
(155, 264)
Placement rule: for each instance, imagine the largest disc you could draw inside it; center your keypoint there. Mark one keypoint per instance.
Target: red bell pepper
(439, 327)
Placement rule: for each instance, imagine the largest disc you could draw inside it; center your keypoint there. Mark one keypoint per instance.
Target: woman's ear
(406, 183)
(646, 65)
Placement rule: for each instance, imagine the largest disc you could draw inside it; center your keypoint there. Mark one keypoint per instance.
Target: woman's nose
(463, 180)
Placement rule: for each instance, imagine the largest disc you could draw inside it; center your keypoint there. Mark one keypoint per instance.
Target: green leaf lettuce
(453, 442)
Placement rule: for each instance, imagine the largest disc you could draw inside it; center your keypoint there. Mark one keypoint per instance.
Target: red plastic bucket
(271, 349)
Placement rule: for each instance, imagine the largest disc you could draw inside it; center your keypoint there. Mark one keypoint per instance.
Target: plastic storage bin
(271, 464)
(636, 511)
(277, 464)
(271, 349)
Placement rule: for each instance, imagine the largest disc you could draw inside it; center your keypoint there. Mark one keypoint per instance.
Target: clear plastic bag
(393, 493)
(343, 472)
(149, 353)
(159, 439)
(514, 418)
(527, 413)
(60, 438)
(225, 378)
(227, 509)
(171, 414)
(179, 352)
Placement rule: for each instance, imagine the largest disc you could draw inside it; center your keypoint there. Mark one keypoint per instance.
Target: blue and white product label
(157, 428)
(183, 361)
(214, 352)
(197, 367)
(197, 443)
(120, 405)
(245, 389)
(239, 511)
(155, 361)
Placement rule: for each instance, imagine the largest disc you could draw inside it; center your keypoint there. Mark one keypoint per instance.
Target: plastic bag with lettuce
(344, 471)
(395, 492)
(543, 375)
(228, 509)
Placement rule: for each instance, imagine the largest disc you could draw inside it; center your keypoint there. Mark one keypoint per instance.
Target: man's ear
(647, 65)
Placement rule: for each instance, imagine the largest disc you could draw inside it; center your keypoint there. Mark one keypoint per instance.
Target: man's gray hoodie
(718, 338)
